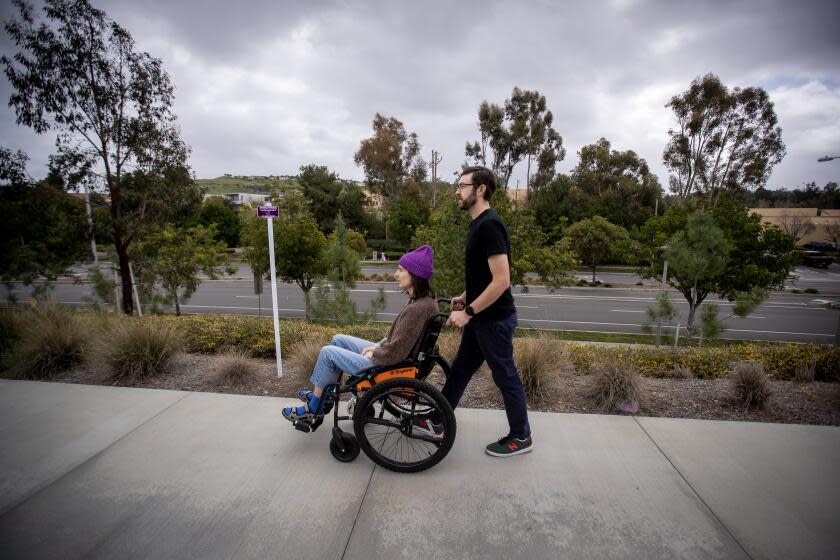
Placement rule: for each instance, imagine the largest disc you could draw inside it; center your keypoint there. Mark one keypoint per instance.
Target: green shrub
(383, 245)
(796, 291)
(811, 291)
(134, 349)
(612, 384)
(51, 339)
(750, 384)
(234, 367)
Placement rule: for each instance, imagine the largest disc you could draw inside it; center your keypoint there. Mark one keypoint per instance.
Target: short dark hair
(420, 287)
(482, 176)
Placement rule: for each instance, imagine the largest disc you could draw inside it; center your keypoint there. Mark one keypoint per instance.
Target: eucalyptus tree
(521, 130)
(77, 73)
(724, 140)
(390, 157)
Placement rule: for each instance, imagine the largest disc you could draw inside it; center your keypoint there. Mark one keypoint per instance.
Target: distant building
(519, 197)
(243, 198)
(81, 196)
(375, 202)
(818, 218)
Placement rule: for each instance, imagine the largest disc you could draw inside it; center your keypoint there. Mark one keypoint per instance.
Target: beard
(468, 202)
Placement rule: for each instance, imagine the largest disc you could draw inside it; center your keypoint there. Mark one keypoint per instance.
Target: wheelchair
(386, 403)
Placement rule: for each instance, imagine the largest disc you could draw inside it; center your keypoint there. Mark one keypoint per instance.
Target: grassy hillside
(221, 185)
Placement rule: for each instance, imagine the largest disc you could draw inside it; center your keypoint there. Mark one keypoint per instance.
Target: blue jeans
(491, 341)
(344, 353)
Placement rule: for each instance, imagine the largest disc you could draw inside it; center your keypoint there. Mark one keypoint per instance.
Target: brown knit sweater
(405, 332)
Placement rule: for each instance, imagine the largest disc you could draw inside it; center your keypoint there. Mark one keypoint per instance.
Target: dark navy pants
(491, 341)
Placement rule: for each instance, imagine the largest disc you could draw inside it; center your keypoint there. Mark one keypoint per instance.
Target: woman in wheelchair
(350, 354)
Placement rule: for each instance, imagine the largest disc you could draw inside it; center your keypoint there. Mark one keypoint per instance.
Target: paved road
(112, 472)
(824, 280)
(784, 316)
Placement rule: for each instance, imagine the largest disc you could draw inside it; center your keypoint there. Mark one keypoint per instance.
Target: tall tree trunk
(693, 302)
(306, 302)
(177, 303)
(125, 276)
(692, 307)
(528, 177)
(593, 273)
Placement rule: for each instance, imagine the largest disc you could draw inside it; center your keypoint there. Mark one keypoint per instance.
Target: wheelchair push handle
(458, 306)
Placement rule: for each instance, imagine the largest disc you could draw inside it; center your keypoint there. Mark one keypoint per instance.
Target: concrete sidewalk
(107, 472)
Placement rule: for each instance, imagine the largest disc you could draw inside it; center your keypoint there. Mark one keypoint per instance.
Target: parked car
(820, 246)
(815, 258)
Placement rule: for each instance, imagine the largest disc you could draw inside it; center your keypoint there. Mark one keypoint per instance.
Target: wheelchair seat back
(426, 349)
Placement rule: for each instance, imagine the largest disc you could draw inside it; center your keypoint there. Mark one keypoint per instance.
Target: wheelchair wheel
(346, 450)
(389, 435)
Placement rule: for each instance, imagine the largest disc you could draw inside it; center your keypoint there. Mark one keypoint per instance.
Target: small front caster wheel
(345, 448)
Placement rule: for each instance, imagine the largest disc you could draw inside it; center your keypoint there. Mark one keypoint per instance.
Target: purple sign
(268, 211)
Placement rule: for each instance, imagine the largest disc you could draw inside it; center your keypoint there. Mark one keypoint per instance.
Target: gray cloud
(264, 87)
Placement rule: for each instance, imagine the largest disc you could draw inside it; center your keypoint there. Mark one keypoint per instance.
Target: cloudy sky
(265, 86)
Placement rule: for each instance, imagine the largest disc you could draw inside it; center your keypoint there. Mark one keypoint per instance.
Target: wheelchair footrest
(306, 425)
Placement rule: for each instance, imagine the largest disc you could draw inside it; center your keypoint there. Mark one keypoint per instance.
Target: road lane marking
(233, 307)
(668, 327)
(377, 291)
(626, 311)
(785, 305)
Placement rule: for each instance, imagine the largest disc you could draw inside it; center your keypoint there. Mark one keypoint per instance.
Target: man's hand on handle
(459, 317)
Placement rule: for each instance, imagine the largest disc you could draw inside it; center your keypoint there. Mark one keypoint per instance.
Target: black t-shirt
(487, 236)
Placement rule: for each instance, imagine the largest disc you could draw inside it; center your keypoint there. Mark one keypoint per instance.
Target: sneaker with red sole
(509, 446)
(428, 428)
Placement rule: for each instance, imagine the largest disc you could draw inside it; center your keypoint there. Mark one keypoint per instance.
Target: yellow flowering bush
(212, 333)
(779, 360)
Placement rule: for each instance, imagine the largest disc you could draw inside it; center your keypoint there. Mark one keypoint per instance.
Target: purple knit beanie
(420, 262)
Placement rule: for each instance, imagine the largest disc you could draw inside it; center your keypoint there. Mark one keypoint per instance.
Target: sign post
(270, 212)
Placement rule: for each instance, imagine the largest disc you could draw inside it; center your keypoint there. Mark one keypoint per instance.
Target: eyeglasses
(462, 186)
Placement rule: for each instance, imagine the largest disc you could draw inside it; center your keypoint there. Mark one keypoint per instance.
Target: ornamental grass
(41, 342)
(541, 361)
(611, 385)
(750, 384)
(134, 349)
(234, 367)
